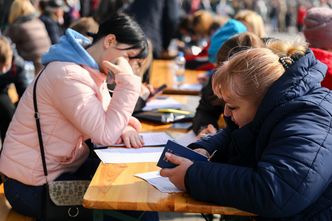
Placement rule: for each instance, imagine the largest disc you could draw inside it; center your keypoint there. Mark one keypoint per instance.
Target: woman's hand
(176, 175)
(120, 65)
(202, 151)
(209, 130)
(131, 138)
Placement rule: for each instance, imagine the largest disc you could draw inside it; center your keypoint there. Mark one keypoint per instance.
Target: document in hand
(179, 150)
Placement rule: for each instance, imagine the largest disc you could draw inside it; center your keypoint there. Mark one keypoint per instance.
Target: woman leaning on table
(275, 156)
(74, 105)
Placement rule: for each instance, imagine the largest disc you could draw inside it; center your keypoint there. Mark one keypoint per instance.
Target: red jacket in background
(325, 57)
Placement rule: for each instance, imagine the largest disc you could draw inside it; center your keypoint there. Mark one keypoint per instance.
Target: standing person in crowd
(301, 11)
(27, 32)
(318, 32)
(275, 156)
(158, 19)
(74, 105)
(11, 71)
(210, 107)
(52, 12)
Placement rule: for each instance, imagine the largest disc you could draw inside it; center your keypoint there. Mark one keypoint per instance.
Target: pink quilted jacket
(74, 104)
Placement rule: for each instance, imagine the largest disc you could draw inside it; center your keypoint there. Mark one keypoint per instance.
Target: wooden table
(114, 187)
(161, 73)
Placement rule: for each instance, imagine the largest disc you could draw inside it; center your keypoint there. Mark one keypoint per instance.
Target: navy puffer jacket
(280, 165)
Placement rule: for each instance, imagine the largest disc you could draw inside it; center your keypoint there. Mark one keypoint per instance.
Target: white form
(151, 139)
(129, 155)
(163, 184)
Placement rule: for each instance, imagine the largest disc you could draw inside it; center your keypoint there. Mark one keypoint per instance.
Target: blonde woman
(275, 157)
(252, 21)
(28, 32)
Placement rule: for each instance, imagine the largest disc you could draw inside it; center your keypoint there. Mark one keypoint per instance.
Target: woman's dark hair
(126, 30)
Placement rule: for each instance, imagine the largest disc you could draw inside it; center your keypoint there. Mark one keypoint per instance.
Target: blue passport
(179, 150)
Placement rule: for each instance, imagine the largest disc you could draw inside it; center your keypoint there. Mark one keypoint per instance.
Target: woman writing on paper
(74, 105)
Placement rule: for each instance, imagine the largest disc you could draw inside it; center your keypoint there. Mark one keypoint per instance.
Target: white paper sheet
(186, 139)
(161, 183)
(152, 139)
(129, 155)
(162, 103)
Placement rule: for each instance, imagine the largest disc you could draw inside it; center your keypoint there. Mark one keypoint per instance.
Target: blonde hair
(294, 49)
(250, 73)
(252, 21)
(6, 52)
(20, 8)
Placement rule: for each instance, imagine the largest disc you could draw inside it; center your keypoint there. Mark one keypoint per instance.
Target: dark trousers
(7, 110)
(27, 200)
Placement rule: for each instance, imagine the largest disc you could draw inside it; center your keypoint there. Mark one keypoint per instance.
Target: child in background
(275, 157)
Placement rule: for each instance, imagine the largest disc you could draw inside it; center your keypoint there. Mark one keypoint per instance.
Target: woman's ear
(109, 40)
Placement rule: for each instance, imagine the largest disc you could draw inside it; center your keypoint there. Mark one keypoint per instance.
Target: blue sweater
(279, 166)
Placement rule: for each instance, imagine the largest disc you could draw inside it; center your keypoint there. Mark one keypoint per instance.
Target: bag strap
(37, 118)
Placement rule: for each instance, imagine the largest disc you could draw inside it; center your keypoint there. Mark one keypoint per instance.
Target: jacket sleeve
(79, 100)
(291, 174)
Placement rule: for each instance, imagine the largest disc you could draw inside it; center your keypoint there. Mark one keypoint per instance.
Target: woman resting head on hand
(74, 105)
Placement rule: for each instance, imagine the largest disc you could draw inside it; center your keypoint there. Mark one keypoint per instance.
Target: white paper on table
(161, 104)
(129, 155)
(152, 139)
(163, 184)
(186, 139)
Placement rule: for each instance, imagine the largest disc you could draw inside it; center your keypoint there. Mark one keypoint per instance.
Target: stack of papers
(129, 155)
(161, 104)
(149, 153)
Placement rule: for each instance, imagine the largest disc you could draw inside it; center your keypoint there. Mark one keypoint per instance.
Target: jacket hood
(305, 75)
(70, 48)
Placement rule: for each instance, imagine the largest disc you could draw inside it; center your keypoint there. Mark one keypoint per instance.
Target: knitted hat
(228, 30)
(318, 27)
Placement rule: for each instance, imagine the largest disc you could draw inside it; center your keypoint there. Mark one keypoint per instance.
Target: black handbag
(62, 200)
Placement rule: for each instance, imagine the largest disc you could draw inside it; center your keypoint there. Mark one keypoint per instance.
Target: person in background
(210, 108)
(27, 32)
(252, 21)
(203, 25)
(74, 105)
(275, 156)
(11, 71)
(318, 32)
(85, 26)
(158, 19)
(52, 15)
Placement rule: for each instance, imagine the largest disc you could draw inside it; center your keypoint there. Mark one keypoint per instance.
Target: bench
(6, 213)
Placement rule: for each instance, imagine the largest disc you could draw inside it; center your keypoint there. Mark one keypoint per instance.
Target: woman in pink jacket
(74, 105)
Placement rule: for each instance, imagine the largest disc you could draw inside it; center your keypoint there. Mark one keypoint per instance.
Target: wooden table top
(115, 187)
(161, 73)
